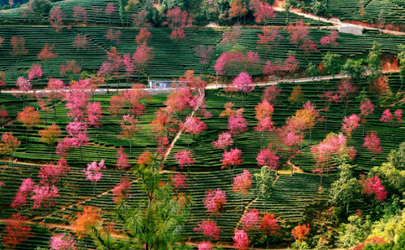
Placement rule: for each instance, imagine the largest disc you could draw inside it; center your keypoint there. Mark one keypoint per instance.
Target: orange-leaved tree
(30, 118)
(297, 96)
(9, 144)
(301, 232)
(50, 135)
(85, 222)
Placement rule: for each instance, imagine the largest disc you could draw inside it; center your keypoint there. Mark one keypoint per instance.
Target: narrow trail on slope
(296, 169)
(248, 205)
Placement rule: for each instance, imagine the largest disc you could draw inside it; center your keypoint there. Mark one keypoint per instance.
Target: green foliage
(374, 59)
(121, 10)
(312, 70)
(400, 243)
(156, 222)
(264, 181)
(237, 48)
(332, 63)
(42, 7)
(390, 227)
(354, 69)
(300, 245)
(319, 9)
(345, 189)
(354, 232)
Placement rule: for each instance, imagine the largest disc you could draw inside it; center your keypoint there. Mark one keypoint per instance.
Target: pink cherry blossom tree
(291, 65)
(332, 145)
(214, 201)
(62, 242)
(242, 183)
(330, 39)
(77, 137)
(237, 125)
(184, 157)
(241, 240)
(93, 172)
(232, 158)
(372, 142)
(122, 160)
(176, 19)
(94, 114)
(194, 126)
(24, 86)
(267, 158)
(179, 181)
(209, 229)
(243, 82)
(350, 124)
(251, 220)
(130, 128)
(387, 117)
(205, 54)
(366, 109)
(108, 11)
(26, 189)
(290, 139)
(205, 245)
(374, 188)
(44, 197)
(224, 140)
(54, 92)
(121, 191)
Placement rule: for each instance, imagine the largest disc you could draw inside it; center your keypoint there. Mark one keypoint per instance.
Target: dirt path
(337, 22)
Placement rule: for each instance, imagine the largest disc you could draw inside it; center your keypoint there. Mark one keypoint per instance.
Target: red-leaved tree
(17, 232)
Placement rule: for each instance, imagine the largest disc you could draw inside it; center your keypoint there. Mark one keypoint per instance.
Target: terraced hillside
(316, 198)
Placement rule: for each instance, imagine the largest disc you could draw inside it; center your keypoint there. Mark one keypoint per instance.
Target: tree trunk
(51, 154)
(130, 146)
(94, 190)
(326, 123)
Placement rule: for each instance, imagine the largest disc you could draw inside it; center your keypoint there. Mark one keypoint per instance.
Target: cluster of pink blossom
(373, 186)
(35, 72)
(25, 190)
(232, 157)
(179, 181)
(184, 157)
(387, 116)
(231, 63)
(242, 182)
(241, 240)
(251, 220)
(93, 171)
(44, 196)
(208, 229)
(78, 137)
(267, 158)
(350, 124)
(237, 124)
(62, 242)
(214, 200)
(205, 245)
(243, 82)
(372, 142)
(122, 160)
(94, 114)
(330, 39)
(121, 190)
(224, 140)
